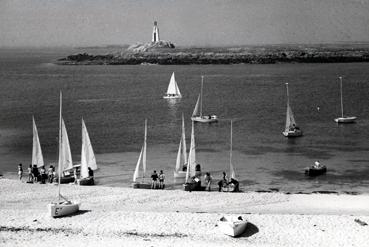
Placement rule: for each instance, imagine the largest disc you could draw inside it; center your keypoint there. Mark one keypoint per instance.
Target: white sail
(178, 160)
(37, 158)
(191, 165)
(184, 148)
(290, 119)
(196, 109)
(144, 151)
(136, 174)
(232, 172)
(65, 155)
(173, 87)
(87, 153)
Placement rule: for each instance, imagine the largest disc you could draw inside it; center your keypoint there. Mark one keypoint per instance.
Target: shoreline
(124, 216)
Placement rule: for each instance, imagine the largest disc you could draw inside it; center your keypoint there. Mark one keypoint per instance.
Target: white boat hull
(179, 174)
(172, 97)
(232, 226)
(205, 119)
(292, 133)
(60, 209)
(345, 119)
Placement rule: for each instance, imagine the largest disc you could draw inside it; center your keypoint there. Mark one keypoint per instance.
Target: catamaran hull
(345, 120)
(231, 227)
(86, 181)
(295, 133)
(206, 119)
(62, 209)
(180, 174)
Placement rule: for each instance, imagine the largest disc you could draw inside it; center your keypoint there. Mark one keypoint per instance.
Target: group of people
(157, 180)
(225, 184)
(36, 174)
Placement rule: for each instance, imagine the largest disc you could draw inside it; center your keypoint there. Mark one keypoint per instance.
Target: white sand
(127, 217)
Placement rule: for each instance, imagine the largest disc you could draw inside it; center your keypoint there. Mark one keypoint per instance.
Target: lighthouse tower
(155, 33)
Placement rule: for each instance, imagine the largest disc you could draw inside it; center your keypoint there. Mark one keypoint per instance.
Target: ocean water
(115, 100)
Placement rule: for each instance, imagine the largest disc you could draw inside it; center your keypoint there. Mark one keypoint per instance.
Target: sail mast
(60, 143)
(230, 154)
(202, 85)
(144, 151)
(184, 148)
(341, 96)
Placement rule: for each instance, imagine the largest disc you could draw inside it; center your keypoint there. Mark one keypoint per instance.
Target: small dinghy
(232, 226)
(316, 169)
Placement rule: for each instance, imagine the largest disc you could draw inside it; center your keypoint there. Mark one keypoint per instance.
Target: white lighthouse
(155, 33)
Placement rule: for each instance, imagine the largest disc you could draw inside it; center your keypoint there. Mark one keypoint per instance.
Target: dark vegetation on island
(341, 53)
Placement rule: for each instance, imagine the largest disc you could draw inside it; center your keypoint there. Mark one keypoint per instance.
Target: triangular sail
(173, 87)
(37, 158)
(196, 109)
(87, 153)
(144, 151)
(232, 172)
(290, 119)
(65, 155)
(178, 160)
(136, 174)
(184, 148)
(191, 165)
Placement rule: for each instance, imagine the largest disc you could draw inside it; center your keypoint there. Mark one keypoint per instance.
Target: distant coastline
(270, 54)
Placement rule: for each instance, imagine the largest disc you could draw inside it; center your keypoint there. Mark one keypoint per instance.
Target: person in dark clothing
(154, 181)
(223, 182)
(35, 173)
(90, 172)
(236, 185)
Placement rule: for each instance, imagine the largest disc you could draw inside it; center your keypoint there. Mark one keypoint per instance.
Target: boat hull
(193, 187)
(86, 181)
(61, 209)
(65, 180)
(345, 119)
(180, 174)
(205, 119)
(172, 97)
(312, 171)
(137, 185)
(292, 133)
(232, 227)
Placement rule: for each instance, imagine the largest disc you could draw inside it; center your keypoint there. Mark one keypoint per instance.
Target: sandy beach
(127, 217)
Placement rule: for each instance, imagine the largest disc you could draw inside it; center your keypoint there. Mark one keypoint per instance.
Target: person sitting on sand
(208, 179)
(154, 181)
(20, 172)
(30, 175)
(223, 182)
(236, 184)
(161, 180)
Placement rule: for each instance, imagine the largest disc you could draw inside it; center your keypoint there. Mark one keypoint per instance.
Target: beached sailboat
(233, 185)
(173, 90)
(232, 226)
(291, 129)
(63, 207)
(181, 161)
(87, 158)
(37, 158)
(197, 114)
(141, 159)
(344, 119)
(193, 172)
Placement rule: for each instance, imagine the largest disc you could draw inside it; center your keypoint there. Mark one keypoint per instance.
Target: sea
(115, 100)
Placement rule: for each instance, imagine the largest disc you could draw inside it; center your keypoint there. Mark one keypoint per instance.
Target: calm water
(115, 100)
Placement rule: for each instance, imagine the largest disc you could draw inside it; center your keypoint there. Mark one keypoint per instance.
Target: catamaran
(193, 171)
(143, 184)
(63, 207)
(197, 115)
(291, 129)
(87, 158)
(37, 158)
(173, 90)
(343, 119)
(181, 161)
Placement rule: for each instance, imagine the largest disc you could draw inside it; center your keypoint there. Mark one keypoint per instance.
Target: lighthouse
(155, 33)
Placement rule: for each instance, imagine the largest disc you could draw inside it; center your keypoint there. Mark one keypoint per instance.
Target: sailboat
(66, 176)
(87, 158)
(62, 207)
(143, 184)
(37, 158)
(173, 90)
(181, 161)
(233, 185)
(291, 129)
(197, 115)
(193, 171)
(343, 119)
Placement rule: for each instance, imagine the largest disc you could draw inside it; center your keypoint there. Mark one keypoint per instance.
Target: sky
(184, 22)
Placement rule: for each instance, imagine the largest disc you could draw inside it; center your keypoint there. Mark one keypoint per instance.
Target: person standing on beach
(50, 173)
(223, 182)
(154, 181)
(161, 180)
(208, 179)
(43, 174)
(30, 175)
(20, 171)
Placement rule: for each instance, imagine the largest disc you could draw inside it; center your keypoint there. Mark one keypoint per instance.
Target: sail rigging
(142, 158)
